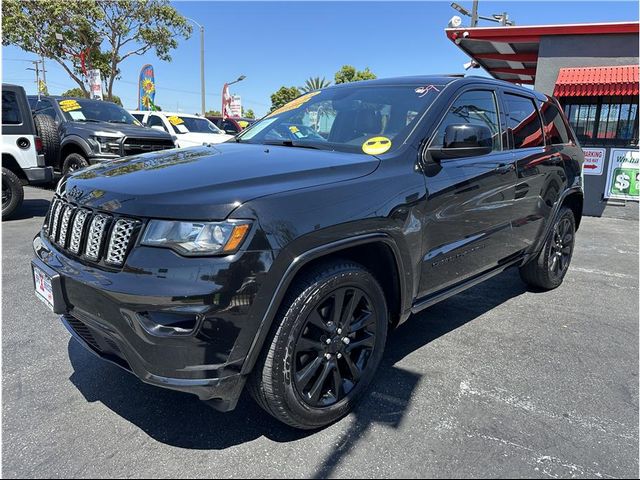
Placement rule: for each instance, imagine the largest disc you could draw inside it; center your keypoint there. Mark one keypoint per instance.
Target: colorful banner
(226, 102)
(146, 88)
(236, 106)
(623, 179)
(95, 84)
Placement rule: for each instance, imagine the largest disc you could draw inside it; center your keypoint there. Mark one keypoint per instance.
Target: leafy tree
(124, 28)
(77, 92)
(213, 113)
(312, 84)
(248, 113)
(284, 96)
(348, 73)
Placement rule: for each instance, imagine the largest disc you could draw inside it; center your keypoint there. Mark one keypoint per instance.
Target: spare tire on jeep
(48, 132)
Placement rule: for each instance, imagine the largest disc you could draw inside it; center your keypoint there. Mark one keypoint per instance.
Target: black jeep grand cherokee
(283, 259)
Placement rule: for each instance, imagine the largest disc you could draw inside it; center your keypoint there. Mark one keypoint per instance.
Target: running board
(438, 297)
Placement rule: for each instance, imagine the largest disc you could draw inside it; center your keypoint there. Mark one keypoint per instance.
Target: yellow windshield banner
(69, 105)
(174, 120)
(292, 105)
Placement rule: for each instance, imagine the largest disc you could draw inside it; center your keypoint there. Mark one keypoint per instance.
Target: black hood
(85, 129)
(208, 183)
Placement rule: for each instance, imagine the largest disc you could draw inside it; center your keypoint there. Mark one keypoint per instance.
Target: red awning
(597, 81)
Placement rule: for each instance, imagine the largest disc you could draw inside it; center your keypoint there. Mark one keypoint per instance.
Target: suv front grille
(66, 226)
(133, 146)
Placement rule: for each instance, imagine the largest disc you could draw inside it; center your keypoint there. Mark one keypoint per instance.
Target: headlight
(196, 238)
(101, 144)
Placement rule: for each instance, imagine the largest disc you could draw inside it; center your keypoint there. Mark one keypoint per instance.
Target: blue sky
(284, 43)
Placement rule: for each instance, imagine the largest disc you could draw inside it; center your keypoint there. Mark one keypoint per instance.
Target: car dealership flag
(226, 102)
(146, 88)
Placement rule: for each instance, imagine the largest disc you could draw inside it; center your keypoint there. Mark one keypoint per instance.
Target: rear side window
(523, 121)
(10, 110)
(477, 107)
(554, 125)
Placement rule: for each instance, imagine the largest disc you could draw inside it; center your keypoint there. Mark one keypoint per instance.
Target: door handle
(503, 168)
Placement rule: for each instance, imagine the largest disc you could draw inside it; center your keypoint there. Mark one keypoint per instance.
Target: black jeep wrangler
(283, 259)
(92, 131)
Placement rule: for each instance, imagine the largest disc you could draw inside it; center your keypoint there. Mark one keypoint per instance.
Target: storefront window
(609, 121)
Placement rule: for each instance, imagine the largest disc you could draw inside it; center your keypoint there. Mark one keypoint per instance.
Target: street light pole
(202, 87)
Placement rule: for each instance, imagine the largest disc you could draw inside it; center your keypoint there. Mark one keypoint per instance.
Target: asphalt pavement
(497, 381)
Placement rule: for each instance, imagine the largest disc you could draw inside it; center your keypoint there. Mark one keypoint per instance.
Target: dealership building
(592, 69)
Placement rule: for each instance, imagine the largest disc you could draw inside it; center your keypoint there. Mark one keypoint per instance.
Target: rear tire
(12, 193)
(48, 132)
(317, 363)
(548, 268)
(74, 162)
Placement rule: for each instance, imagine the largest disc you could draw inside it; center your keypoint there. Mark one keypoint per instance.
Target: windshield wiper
(118, 121)
(290, 143)
(87, 120)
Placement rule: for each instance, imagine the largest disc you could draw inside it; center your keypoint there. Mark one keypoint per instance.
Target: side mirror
(464, 140)
(158, 127)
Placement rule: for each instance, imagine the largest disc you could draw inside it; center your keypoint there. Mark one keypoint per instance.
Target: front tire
(548, 268)
(12, 192)
(74, 162)
(326, 347)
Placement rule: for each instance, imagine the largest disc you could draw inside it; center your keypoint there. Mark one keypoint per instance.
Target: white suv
(189, 130)
(22, 159)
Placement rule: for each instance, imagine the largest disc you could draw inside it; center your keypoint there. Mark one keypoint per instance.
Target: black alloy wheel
(561, 248)
(334, 347)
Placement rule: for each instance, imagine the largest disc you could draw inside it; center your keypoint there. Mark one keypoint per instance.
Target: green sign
(623, 180)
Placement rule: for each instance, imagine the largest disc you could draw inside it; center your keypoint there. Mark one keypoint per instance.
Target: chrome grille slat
(54, 223)
(64, 225)
(96, 233)
(119, 241)
(77, 229)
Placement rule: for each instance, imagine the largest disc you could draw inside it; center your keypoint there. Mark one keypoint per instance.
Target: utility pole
(36, 69)
(202, 87)
(44, 72)
(474, 14)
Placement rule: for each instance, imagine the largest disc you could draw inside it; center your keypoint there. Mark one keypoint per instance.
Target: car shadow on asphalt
(181, 420)
(30, 208)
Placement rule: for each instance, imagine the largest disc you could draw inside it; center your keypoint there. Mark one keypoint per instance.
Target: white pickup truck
(23, 159)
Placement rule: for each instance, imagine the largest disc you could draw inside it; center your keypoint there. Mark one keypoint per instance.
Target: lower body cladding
(187, 326)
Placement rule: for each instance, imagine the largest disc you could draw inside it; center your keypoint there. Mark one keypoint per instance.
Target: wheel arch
(377, 252)
(574, 201)
(72, 146)
(10, 163)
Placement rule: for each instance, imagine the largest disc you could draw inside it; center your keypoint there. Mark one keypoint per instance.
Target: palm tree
(312, 84)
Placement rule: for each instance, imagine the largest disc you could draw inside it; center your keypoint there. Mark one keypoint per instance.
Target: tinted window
(554, 125)
(44, 107)
(472, 108)
(523, 121)
(10, 110)
(138, 116)
(229, 126)
(156, 121)
(84, 110)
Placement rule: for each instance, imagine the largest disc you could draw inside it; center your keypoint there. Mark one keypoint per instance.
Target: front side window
(475, 108)
(10, 109)
(84, 110)
(156, 121)
(358, 119)
(523, 121)
(554, 125)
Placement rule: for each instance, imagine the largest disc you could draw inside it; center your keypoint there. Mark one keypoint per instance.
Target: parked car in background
(23, 161)
(93, 131)
(282, 259)
(232, 126)
(189, 130)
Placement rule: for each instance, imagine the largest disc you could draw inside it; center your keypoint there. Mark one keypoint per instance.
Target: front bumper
(113, 315)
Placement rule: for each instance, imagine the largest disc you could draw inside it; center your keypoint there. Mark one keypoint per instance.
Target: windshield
(192, 125)
(79, 110)
(364, 119)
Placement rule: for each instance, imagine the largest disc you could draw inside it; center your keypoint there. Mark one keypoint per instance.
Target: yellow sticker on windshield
(243, 123)
(376, 145)
(174, 120)
(69, 105)
(293, 104)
